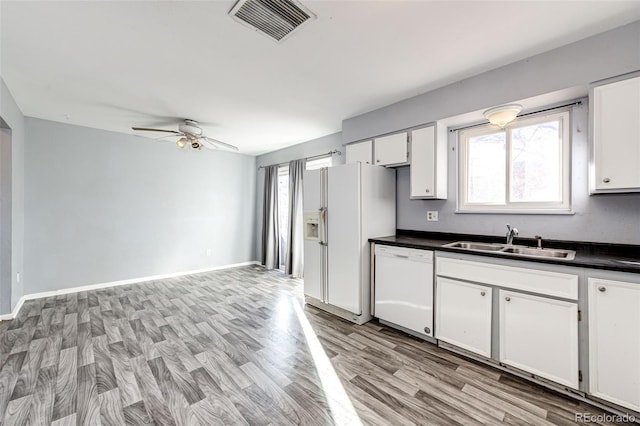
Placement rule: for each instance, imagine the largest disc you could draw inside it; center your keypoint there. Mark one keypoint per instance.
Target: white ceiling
(114, 64)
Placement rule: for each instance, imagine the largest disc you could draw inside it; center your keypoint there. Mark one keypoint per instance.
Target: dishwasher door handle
(401, 256)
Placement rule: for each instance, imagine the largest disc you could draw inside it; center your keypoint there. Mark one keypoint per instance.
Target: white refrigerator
(344, 206)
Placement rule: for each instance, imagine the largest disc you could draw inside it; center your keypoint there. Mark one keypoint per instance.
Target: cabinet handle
(508, 299)
(377, 161)
(602, 289)
(606, 180)
(482, 293)
(427, 330)
(427, 190)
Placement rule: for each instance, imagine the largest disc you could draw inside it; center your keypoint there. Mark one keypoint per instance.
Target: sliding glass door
(283, 202)
(283, 212)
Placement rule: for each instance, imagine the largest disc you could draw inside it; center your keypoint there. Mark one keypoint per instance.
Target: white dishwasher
(404, 288)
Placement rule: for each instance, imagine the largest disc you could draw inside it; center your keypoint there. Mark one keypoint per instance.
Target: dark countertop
(615, 257)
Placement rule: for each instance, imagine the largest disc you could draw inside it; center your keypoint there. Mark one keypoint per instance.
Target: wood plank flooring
(237, 347)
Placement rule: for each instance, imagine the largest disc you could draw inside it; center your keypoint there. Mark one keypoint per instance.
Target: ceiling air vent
(274, 18)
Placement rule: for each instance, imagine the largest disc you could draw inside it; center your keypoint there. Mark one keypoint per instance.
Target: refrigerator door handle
(322, 226)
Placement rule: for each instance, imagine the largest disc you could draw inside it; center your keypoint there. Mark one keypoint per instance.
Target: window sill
(541, 211)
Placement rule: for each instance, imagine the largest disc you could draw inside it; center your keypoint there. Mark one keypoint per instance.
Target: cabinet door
(616, 135)
(392, 150)
(423, 163)
(360, 152)
(540, 335)
(614, 342)
(404, 288)
(463, 315)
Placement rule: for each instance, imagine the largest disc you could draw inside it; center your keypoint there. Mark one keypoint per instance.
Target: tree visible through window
(521, 168)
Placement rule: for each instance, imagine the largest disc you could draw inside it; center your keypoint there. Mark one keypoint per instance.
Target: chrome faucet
(512, 232)
(539, 238)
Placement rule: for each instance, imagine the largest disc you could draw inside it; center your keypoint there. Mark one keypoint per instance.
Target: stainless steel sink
(536, 252)
(467, 245)
(517, 251)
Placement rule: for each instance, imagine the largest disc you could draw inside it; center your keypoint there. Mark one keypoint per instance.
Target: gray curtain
(270, 231)
(294, 263)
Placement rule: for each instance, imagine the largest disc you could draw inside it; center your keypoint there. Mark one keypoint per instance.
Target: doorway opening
(5, 218)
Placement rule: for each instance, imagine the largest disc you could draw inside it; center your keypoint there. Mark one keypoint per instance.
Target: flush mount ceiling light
(503, 114)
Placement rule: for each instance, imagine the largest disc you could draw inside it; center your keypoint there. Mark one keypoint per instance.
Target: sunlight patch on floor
(340, 404)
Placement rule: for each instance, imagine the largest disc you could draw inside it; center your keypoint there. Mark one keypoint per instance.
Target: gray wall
(605, 218)
(307, 149)
(611, 218)
(12, 116)
(103, 206)
(605, 55)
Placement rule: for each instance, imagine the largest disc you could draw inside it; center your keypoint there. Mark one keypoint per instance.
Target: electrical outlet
(432, 216)
(208, 252)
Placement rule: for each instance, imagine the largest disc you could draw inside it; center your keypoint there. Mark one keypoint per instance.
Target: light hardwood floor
(238, 347)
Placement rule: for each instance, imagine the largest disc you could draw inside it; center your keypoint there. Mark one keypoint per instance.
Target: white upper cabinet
(360, 152)
(614, 341)
(392, 150)
(428, 164)
(615, 133)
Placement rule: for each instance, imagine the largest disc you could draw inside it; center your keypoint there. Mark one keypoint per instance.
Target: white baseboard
(15, 311)
(89, 287)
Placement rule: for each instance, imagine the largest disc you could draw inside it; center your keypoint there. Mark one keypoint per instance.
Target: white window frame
(561, 207)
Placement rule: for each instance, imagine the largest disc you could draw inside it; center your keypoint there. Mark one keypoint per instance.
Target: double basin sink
(517, 251)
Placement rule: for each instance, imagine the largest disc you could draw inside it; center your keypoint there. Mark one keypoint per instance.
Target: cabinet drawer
(542, 282)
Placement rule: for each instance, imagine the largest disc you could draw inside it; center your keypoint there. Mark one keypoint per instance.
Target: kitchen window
(523, 168)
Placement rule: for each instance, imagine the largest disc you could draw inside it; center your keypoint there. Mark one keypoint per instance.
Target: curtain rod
(576, 103)
(313, 157)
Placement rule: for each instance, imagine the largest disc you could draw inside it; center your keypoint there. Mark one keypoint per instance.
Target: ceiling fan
(190, 135)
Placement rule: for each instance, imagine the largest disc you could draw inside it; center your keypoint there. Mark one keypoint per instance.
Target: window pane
(536, 174)
(283, 211)
(319, 163)
(486, 169)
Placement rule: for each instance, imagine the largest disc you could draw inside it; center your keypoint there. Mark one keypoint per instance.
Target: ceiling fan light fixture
(503, 114)
(190, 134)
(182, 142)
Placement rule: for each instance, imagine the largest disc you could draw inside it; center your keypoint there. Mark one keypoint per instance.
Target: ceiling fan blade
(173, 135)
(146, 129)
(217, 142)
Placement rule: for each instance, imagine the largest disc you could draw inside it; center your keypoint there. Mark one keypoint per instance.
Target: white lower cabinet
(614, 341)
(539, 335)
(463, 315)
